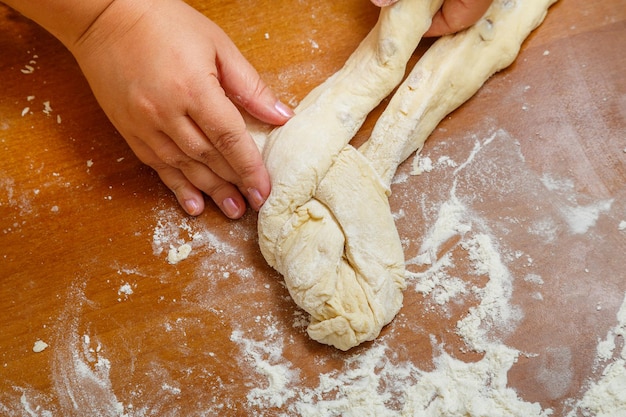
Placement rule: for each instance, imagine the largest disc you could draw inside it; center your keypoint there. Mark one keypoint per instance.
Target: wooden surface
(537, 159)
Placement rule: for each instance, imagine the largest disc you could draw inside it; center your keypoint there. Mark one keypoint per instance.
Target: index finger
(223, 125)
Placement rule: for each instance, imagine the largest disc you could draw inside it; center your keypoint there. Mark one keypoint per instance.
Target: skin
(160, 69)
(170, 81)
(454, 15)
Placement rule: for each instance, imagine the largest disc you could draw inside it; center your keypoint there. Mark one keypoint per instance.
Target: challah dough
(326, 225)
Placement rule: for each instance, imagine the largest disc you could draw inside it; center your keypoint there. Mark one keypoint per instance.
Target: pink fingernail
(255, 198)
(283, 109)
(231, 209)
(192, 207)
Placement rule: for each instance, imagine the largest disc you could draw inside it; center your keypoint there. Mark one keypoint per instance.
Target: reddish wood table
(534, 164)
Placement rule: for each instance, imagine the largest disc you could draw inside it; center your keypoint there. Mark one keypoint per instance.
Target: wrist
(72, 21)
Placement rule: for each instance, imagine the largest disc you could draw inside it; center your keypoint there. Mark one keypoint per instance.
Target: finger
(223, 125)
(188, 196)
(243, 84)
(456, 15)
(185, 185)
(194, 144)
(188, 178)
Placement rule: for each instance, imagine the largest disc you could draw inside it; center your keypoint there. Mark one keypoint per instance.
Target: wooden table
(534, 164)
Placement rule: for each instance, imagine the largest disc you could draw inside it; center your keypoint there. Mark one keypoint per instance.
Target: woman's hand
(169, 79)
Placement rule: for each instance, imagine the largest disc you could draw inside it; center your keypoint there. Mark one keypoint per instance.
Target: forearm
(70, 20)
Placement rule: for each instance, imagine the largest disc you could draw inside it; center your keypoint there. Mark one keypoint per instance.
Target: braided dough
(327, 225)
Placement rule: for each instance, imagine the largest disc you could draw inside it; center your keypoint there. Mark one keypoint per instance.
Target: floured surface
(512, 231)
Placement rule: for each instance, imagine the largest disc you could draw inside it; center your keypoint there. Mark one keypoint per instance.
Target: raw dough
(327, 226)
(39, 346)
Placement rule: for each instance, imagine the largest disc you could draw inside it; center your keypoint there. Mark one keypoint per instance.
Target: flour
(373, 384)
(422, 164)
(175, 234)
(266, 357)
(580, 218)
(124, 291)
(606, 397)
(494, 308)
(83, 375)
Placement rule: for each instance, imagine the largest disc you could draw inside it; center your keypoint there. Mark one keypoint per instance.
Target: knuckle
(215, 189)
(249, 171)
(259, 89)
(226, 142)
(174, 160)
(144, 106)
(208, 155)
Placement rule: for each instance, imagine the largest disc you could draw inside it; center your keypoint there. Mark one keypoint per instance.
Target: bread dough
(447, 75)
(326, 225)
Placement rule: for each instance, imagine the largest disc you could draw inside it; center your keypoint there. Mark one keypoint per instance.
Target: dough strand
(327, 226)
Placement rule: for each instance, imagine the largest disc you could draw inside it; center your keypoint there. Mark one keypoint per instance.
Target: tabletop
(520, 192)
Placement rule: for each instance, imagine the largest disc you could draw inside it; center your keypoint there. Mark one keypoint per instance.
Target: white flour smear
(371, 384)
(80, 372)
(175, 235)
(267, 359)
(606, 397)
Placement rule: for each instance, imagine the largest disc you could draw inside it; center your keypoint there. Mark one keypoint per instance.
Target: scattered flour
(175, 234)
(606, 397)
(125, 290)
(580, 218)
(372, 382)
(80, 373)
(422, 164)
(266, 357)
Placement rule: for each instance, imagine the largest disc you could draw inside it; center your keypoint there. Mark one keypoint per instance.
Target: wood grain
(85, 227)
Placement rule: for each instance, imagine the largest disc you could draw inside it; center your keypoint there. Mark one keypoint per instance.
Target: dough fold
(327, 225)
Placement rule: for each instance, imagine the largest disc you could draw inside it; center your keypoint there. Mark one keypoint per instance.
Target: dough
(327, 226)
(39, 346)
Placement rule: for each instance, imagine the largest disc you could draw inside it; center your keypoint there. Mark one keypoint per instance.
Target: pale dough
(39, 346)
(327, 226)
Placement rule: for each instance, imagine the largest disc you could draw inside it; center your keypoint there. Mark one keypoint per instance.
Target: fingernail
(192, 207)
(256, 198)
(231, 209)
(283, 109)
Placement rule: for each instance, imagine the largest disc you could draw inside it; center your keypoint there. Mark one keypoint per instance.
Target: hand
(454, 15)
(169, 79)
